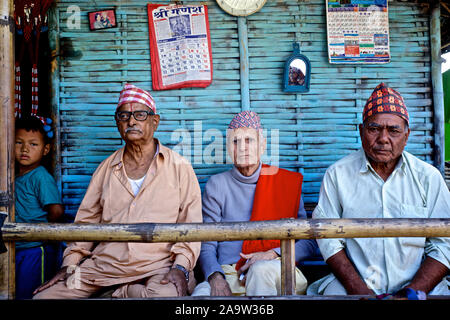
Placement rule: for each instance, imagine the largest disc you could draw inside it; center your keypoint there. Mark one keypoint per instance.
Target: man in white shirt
(381, 180)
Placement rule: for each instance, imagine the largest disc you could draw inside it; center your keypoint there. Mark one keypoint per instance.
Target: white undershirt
(136, 184)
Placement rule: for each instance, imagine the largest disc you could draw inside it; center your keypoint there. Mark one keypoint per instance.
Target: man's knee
(43, 295)
(335, 288)
(266, 268)
(202, 289)
(163, 290)
(52, 292)
(61, 291)
(263, 273)
(151, 289)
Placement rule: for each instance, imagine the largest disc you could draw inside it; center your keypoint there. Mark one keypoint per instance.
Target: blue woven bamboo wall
(314, 129)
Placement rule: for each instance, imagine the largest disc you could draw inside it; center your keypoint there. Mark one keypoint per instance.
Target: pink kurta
(170, 193)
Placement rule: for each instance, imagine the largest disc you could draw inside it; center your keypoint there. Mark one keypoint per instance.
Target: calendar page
(358, 31)
(180, 46)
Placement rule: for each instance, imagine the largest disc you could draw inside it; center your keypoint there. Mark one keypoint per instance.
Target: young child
(37, 201)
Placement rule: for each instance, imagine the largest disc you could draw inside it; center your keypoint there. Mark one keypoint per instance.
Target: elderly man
(141, 182)
(249, 191)
(381, 180)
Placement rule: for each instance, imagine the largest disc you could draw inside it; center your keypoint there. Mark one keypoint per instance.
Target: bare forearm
(428, 276)
(346, 273)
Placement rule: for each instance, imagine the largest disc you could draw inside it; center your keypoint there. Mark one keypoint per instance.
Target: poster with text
(180, 46)
(358, 31)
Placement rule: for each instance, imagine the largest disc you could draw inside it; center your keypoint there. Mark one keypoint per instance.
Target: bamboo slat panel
(311, 131)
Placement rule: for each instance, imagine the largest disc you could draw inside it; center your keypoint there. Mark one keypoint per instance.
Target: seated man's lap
(145, 288)
(61, 291)
(150, 287)
(263, 278)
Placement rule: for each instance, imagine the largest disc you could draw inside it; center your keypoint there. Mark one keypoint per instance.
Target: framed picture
(102, 19)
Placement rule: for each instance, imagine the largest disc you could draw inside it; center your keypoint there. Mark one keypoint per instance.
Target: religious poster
(358, 31)
(180, 46)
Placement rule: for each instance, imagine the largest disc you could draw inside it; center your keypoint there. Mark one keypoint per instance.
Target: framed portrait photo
(102, 19)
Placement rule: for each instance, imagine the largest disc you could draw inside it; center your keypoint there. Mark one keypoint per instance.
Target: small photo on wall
(102, 19)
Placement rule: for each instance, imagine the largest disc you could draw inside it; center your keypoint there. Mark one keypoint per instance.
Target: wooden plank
(89, 86)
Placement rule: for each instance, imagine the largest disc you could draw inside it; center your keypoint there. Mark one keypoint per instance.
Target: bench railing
(286, 230)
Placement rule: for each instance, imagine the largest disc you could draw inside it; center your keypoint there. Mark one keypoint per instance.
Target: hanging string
(19, 17)
(17, 94)
(34, 90)
(30, 15)
(37, 22)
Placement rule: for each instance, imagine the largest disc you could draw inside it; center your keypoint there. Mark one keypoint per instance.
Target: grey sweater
(228, 197)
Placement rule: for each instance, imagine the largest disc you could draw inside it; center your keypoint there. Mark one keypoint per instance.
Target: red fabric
(277, 196)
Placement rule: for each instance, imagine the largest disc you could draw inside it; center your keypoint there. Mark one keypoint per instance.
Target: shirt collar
(365, 164)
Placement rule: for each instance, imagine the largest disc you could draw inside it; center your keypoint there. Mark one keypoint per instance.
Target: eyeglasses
(139, 115)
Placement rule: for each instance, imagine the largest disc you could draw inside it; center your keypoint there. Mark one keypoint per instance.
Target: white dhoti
(263, 279)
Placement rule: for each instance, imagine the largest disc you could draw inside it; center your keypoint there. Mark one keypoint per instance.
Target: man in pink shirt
(142, 182)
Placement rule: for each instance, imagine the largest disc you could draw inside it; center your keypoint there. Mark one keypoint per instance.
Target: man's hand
(177, 277)
(254, 257)
(219, 286)
(60, 275)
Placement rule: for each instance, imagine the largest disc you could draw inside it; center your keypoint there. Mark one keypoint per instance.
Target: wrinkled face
(30, 148)
(245, 146)
(136, 131)
(384, 137)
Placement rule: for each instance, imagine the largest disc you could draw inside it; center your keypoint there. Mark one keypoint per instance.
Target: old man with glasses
(143, 182)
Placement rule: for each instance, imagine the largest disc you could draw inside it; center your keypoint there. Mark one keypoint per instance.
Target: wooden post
(7, 276)
(287, 267)
(438, 89)
(244, 61)
(53, 39)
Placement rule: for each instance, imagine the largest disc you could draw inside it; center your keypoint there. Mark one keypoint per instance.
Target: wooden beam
(288, 267)
(7, 276)
(228, 231)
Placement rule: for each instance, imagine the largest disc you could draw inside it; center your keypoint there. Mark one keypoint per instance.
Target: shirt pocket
(412, 211)
(160, 205)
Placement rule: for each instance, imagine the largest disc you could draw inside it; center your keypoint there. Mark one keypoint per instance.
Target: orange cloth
(170, 193)
(277, 196)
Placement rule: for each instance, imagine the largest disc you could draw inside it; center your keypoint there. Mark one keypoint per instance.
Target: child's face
(29, 149)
